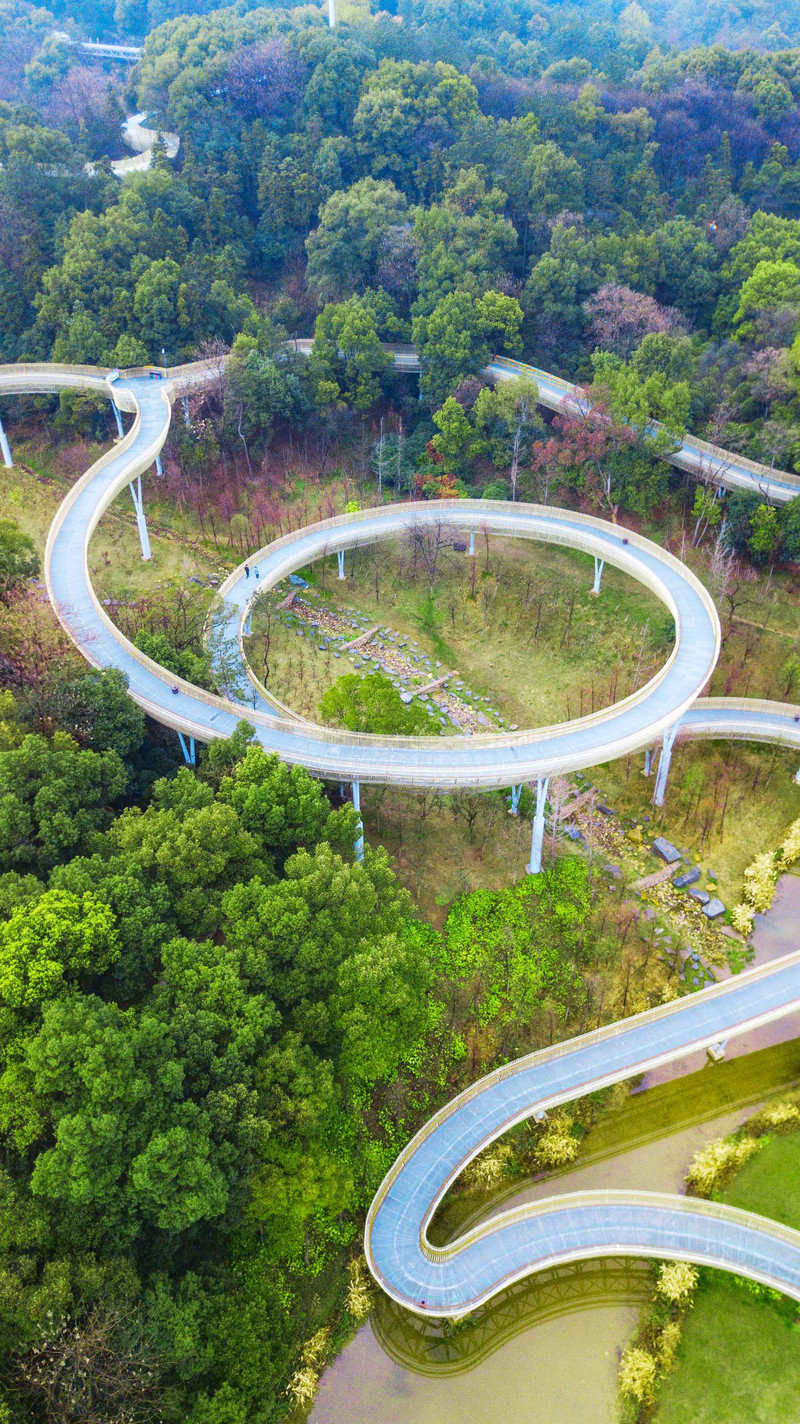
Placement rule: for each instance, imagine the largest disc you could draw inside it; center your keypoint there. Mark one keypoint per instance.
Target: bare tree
(619, 318)
(427, 542)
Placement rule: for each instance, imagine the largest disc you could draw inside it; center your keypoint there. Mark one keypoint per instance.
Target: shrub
(676, 1281)
(742, 919)
(359, 1296)
(780, 1118)
(557, 1146)
(489, 1167)
(668, 1342)
(790, 850)
(713, 1166)
(637, 1374)
(760, 879)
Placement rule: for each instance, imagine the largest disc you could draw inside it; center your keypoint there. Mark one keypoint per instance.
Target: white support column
(187, 422)
(159, 467)
(797, 777)
(471, 544)
(5, 449)
(667, 743)
(187, 747)
(599, 565)
(537, 834)
(516, 792)
(648, 762)
(138, 504)
(359, 841)
(342, 574)
(120, 430)
(332, 13)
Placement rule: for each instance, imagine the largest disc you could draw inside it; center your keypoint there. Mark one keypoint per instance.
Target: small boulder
(714, 909)
(701, 896)
(686, 878)
(666, 850)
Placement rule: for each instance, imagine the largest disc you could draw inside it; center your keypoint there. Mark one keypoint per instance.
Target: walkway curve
(456, 1279)
(487, 760)
(480, 761)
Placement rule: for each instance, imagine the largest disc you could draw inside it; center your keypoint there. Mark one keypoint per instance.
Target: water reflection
(446, 1347)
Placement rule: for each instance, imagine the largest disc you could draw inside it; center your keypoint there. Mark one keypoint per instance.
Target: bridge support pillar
(716, 1051)
(118, 417)
(667, 743)
(516, 792)
(797, 777)
(187, 747)
(537, 834)
(599, 565)
(340, 557)
(648, 762)
(472, 543)
(5, 449)
(159, 467)
(141, 522)
(359, 840)
(187, 422)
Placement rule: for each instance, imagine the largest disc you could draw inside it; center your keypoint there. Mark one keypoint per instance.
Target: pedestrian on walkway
(247, 570)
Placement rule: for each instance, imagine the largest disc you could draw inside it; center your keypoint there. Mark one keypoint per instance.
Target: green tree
(19, 560)
(509, 414)
(373, 704)
(55, 799)
(764, 541)
(283, 806)
(348, 360)
(455, 435)
(344, 250)
(45, 944)
(458, 338)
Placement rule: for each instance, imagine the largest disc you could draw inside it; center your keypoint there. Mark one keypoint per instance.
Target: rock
(615, 871)
(298, 581)
(666, 850)
(686, 878)
(573, 833)
(648, 912)
(701, 896)
(606, 810)
(714, 909)
(513, 727)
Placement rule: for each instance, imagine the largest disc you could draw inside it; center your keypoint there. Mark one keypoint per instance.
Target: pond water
(546, 1351)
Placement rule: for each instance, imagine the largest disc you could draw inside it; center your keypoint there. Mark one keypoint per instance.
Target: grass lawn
(31, 493)
(726, 801)
(739, 1360)
(519, 624)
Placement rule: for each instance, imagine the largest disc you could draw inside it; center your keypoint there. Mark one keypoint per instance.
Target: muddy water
(546, 1352)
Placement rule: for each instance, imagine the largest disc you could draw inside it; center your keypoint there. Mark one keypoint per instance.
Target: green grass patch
(739, 1360)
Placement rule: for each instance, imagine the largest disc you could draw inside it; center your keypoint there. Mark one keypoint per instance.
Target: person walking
(247, 570)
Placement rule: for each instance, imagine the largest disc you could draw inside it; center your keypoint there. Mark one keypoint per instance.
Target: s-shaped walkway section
(455, 1279)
